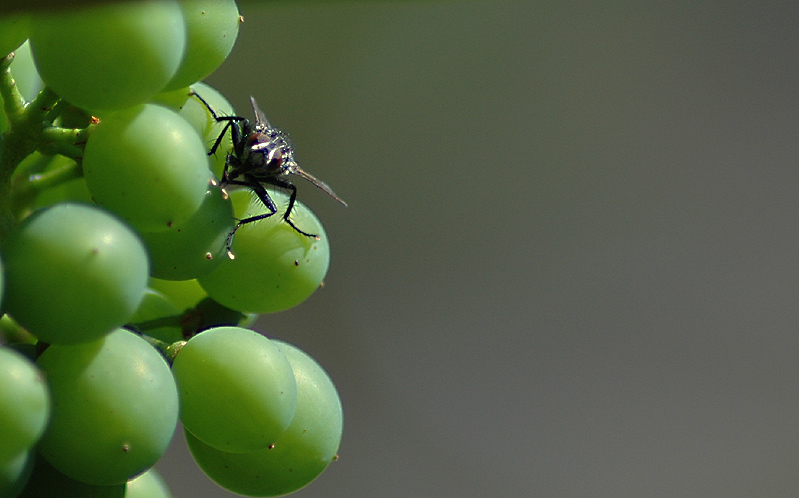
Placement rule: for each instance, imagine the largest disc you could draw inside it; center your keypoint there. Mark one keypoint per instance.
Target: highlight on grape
(121, 314)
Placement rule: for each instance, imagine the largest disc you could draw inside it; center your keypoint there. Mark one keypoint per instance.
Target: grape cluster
(121, 312)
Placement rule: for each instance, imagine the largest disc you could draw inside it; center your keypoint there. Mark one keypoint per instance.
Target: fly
(261, 155)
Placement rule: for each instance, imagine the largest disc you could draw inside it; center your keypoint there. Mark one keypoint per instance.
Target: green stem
(30, 128)
(68, 142)
(13, 101)
(169, 351)
(158, 344)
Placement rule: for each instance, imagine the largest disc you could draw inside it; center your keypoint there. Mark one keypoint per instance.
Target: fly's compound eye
(274, 159)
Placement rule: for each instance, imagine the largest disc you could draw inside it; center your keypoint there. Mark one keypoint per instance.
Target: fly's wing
(261, 123)
(295, 169)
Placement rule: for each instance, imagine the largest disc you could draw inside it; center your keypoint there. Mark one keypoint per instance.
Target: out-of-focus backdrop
(569, 265)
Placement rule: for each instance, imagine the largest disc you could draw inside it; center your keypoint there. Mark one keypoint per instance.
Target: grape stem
(167, 350)
(31, 129)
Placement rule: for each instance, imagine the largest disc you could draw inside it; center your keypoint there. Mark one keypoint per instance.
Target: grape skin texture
(148, 485)
(24, 405)
(148, 165)
(182, 293)
(237, 390)
(115, 404)
(194, 247)
(73, 273)
(119, 54)
(198, 116)
(13, 32)
(307, 447)
(211, 30)
(275, 267)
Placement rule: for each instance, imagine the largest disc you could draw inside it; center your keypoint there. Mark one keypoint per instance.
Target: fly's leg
(231, 122)
(290, 186)
(263, 195)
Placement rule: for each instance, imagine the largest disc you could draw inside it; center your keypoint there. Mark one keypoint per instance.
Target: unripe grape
(298, 456)
(148, 165)
(237, 390)
(108, 57)
(195, 246)
(211, 30)
(115, 408)
(148, 485)
(201, 120)
(24, 405)
(73, 273)
(275, 267)
(14, 29)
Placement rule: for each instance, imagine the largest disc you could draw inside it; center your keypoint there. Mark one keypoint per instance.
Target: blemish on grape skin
(209, 256)
(296, 262)
(125, 447)
(271, 446)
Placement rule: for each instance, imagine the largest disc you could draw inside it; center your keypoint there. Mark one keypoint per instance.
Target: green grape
(193, 247)
(275, 268)
(211, 30)
(299, 455)
(14, 29)
(237, 391)
(148, 485)
(46, 482)
(156, 306)
(183, 294)
(24, 405)
(108, 57)
(14, 475)
(148, 165)
(115, 408)
(73, 273)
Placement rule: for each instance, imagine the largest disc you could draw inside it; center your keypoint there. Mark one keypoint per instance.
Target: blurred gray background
(568, 267)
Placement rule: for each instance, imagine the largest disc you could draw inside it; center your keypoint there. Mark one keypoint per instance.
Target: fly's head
(268, 154)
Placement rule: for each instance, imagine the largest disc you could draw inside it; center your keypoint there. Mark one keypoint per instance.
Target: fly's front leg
(231, 122)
